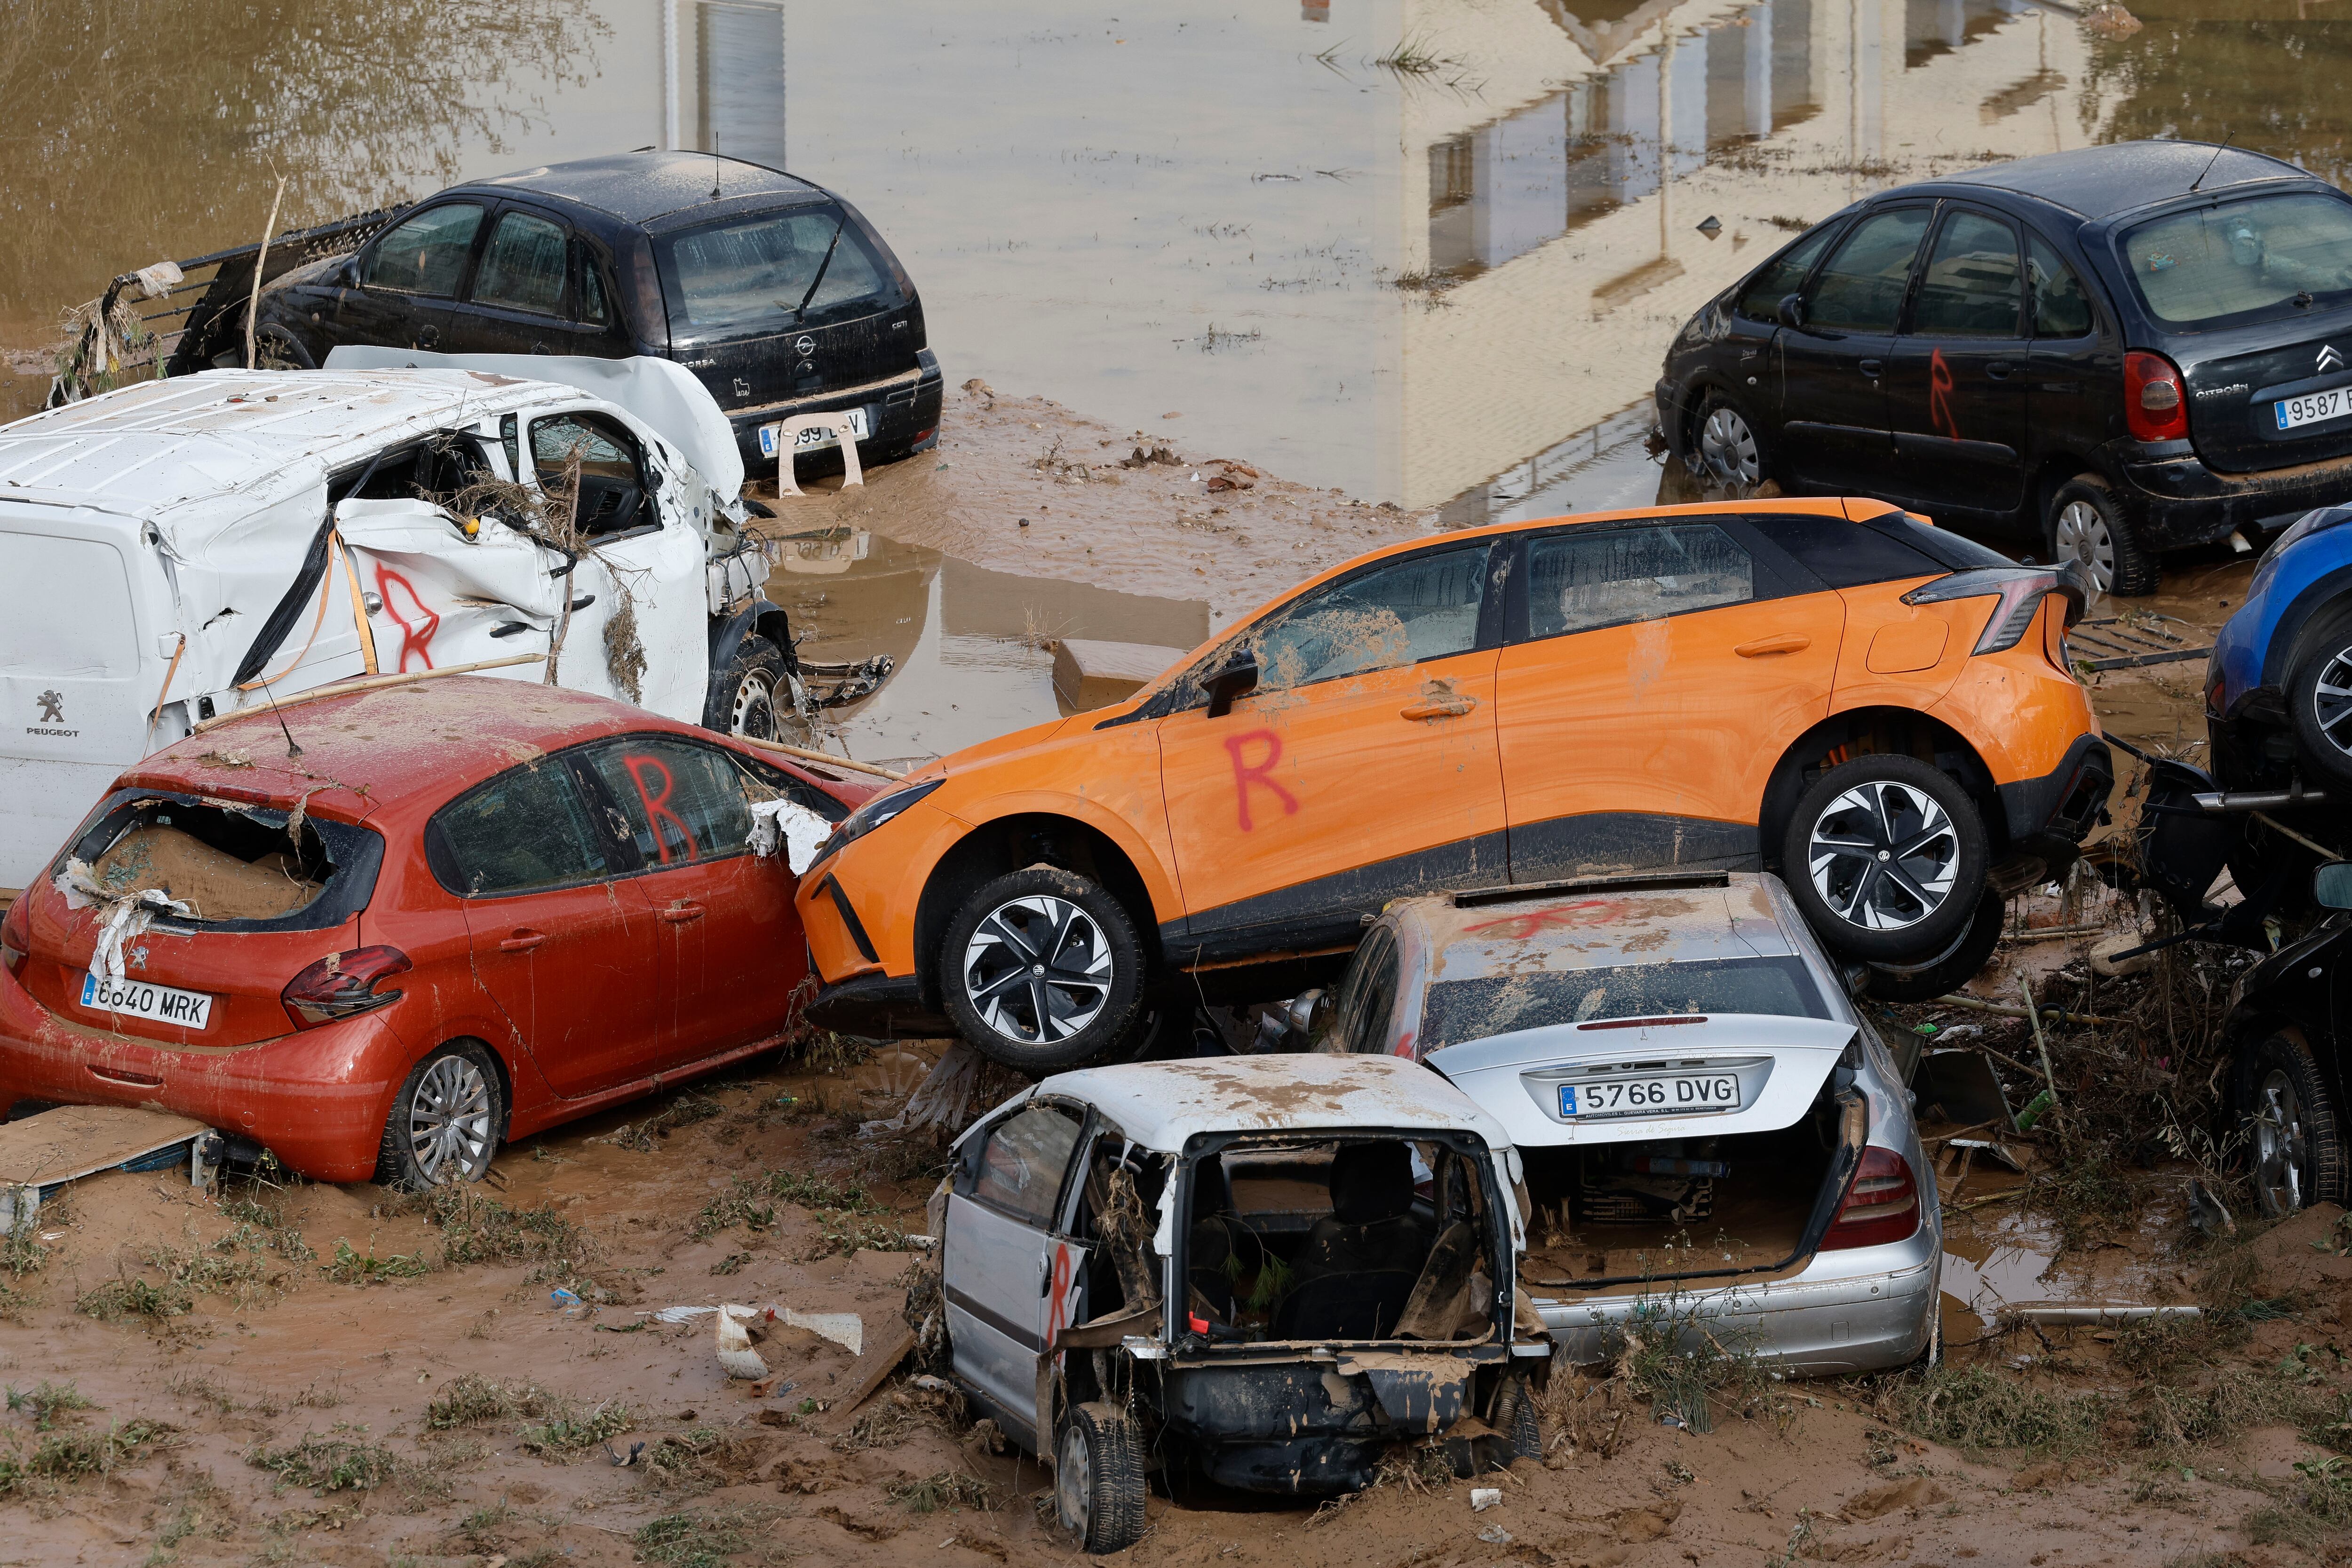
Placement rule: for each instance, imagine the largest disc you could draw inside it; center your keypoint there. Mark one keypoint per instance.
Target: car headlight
(873, 814)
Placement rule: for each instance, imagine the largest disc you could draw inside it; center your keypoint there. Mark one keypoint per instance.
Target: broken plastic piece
(1483, 1497)
(788, 823)
(736, 1356)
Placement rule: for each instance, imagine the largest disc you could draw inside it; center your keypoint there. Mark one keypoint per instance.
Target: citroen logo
(808, 346)
(2328, 359)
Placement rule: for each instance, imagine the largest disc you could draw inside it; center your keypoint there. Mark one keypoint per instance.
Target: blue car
(2278, 690)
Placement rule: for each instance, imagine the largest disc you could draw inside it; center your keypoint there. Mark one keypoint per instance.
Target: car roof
(1163, 1105)
(2099, 182)
(1601, 924)
(638, 187)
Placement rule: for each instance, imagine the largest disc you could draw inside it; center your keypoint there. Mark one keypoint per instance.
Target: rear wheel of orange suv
(1886, 854)
(1042, 970)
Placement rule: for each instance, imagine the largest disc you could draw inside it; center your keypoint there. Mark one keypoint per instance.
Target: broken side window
(1019, 1170)
(235, 867)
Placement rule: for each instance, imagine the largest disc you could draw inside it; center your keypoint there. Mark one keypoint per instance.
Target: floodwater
(1443, 280)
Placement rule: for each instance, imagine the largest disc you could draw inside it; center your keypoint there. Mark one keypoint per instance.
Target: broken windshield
(1460, 1010)
(769, 272)
(228, 867)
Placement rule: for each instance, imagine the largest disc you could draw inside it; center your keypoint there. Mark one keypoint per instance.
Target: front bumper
(902, 412)
(878, 1007)
(2176, 501)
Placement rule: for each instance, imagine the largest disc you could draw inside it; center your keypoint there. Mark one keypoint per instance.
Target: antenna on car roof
(2209, 163)
(291, 748)
(714, 165)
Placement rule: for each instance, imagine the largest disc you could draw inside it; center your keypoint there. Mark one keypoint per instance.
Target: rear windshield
(2246, 260)
(233, 868)
(1460, 1010)
(753, 275)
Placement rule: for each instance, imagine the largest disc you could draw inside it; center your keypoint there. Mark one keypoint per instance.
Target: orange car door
(1652, 674)
(1361, 767)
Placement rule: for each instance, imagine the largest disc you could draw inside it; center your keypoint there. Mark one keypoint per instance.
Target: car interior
(224, 863)
(612, 498)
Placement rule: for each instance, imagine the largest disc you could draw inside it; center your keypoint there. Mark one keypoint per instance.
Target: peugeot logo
(53, 707)
(2328, 359)
(808, 346)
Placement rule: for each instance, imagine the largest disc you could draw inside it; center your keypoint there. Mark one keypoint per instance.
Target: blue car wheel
(2319, 707)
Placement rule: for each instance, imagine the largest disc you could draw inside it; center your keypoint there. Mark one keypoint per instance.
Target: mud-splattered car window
(1971, 288)
(1021, 1167)
(1424, 607)
(426, 255)
(522, 268)
(758, 273)
(2244, 260)
(524, 831)
(678, 801)
(1459, 1010)
(1581, 581)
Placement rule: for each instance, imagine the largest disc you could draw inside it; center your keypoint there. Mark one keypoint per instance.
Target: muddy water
(1445, 280)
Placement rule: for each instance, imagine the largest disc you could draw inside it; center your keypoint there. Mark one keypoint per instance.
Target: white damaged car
(1711, 1133)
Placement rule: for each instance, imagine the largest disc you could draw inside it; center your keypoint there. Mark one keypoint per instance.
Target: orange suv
(1878, 709)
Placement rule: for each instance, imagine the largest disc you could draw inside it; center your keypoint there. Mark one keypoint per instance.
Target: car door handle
(1438, 699)
(682, 911)
(1871, 367)
(1787, 642)
(521, 940)
(1998, 368)
(427, 335)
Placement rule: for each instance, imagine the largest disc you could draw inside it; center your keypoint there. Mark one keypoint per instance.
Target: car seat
(1361, 1262)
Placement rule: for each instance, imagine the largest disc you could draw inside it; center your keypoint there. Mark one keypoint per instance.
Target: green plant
(2316, 1509)
(1975, 1409)
(849, 1233)
(696, 1540)
(752, 1202)
(132, 1297)
(566, 1428)
(483, 1230)
(684, 1112)
(947, 1489)
(69, 1456)
(44, 1402)
(732, 1264)
(352, 1267)
(470, 1399)
(1686, 1365)
(328, 1464)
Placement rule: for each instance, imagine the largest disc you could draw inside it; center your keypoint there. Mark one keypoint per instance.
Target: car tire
(446, 1121)
(1727, 447)
(2294, 1138)
(1519, 1421)
(1952, 969)
(1099, 1494)
(1885, 855)
(755, 692)
(2086, 525)
(1082, 1001)
(2320, 722)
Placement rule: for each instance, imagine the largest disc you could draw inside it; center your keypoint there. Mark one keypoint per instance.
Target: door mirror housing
(1307, 1011)
(1238, 676)
(1792, 309)
(2331, 885)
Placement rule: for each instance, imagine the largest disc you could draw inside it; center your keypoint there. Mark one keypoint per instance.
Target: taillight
(2156, 406)
(14, 943)
(343, 983)
(2020, 600)
(1882, 1206)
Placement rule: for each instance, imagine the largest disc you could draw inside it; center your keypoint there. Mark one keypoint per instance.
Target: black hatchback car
(2119, 350)
(776, 292)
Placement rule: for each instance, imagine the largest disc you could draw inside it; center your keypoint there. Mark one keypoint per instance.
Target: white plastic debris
(846, 1329)
(736, 1356)
(1495, 1535)
(789, 823)
(1483, 1497)
(126, 917)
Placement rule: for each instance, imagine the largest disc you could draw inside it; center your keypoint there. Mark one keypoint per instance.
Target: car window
(1021, 1167)
(1460, 1010)
(524, 831)
(1846, 554)
(678, 801)
(750, 273)
(611, 485)
(426, 255)
(1373, 969)
(2062, 306)
(1421, 607)
(1860, 287)
(1580, 579)
(2243, 260)
(591, 290)
(1784, 275)
(1970, 288)
(522, 267)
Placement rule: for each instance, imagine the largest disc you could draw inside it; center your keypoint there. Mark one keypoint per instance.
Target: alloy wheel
(754, 710)
(449, 1122)
(1038, 969)
(2082, 535)
(1884, 856)
(2332, 701)
(1074, 1479)
(1727, 447)
(2280, 1143)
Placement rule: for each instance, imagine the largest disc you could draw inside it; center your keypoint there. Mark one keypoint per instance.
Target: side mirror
(1238, 676)
(1792, 309)
(2331, 885)
(1307, 1010)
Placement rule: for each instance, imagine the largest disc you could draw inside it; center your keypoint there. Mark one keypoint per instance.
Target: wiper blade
(816, 282)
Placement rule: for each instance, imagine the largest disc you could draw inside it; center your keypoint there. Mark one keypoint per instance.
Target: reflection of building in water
(734, 98)
(1571, 221)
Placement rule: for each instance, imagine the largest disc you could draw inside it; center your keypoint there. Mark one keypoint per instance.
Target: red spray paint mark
(658, 814)
(1247, 773)
(1057, 1304)
(415, 638)
(1560, 917)
(1939, 396)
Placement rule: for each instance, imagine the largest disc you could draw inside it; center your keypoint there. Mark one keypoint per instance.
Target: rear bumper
(2176, 502)
(903, 413)
(878, 1007)
(317, 1098)
(2055, 812)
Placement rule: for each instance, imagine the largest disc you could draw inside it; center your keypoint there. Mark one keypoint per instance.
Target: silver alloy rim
(449, 1122)
(755, 707)
(1074, 1475)
(2083, 535)
(1038, 970)
(1727, 447)
(2332, 701)
(2279, 1145)
(1884, 856)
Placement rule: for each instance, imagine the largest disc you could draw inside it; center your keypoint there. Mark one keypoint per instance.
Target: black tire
(755, 692)
(1081, 1002)
(2322, 723)
(1728, 445)
(1955, 968)
(1098, 1493)
(1909, 878)
(2086, 525)
(1518, 1420)
(424, 1146)
(2294, 1138)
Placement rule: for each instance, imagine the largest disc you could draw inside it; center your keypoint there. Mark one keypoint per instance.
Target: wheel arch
(758, 618)
(1880, 729)
(2051, 473)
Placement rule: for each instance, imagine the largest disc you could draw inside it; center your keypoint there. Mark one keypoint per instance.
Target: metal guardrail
(2128, 644)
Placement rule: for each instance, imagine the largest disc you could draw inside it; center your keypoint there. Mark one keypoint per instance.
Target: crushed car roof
(1162, 1105)
(1601, 925)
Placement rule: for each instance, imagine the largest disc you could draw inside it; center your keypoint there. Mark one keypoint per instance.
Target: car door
(519, 301)
(1834, 363)
(1958, 381)
(1361, 766)
(1002, 1254)
(409, 276)
(560, 935)
(730, 951)
(1652, 674)
(2072, 358)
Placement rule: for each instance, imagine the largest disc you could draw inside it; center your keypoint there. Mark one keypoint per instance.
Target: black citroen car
(776, 292)
(2115, 352)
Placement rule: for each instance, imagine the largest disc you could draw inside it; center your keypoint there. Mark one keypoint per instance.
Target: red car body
(680, 954)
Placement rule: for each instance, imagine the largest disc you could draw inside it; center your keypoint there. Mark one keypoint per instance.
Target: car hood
(1777, 1062)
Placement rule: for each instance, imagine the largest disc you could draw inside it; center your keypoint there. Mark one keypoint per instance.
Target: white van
(180, 549)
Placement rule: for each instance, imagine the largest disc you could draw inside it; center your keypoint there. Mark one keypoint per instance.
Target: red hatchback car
(468, 910)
